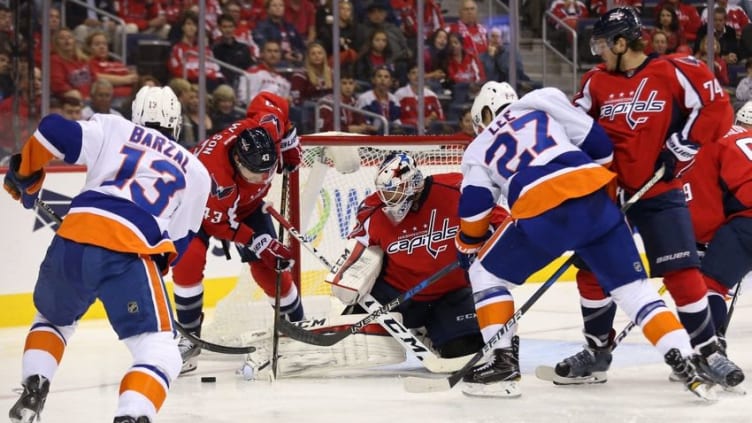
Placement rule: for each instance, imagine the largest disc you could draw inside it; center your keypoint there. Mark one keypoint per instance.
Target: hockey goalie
(405, 232)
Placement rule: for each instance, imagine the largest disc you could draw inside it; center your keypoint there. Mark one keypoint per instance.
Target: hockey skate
(719, 369)
(189, 353)
(499, 377)
(129, 419)
(692, 371)
(31, 403)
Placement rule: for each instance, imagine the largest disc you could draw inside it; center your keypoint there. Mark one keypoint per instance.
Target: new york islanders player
(545, 157)
(404, 234)
(142, 202)
(719, 195)
(656, 111)
(241, 161)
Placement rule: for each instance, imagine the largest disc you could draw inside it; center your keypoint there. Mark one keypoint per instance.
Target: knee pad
(588, 286)
(158, 349)
(189, 271)
(266, 278)
(686, 286)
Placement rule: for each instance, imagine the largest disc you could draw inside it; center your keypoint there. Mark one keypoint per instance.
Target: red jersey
(423, 241)
(66, 75)
(639, 111)
(232, 198)
(348, 117)
(408, 101)
(111, 67)
(719, 185)
(474, 36)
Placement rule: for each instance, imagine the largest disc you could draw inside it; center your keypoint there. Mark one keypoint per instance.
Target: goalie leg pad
(356, 352)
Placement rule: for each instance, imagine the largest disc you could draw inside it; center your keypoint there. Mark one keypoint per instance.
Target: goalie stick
(222, 349)
(419, 385)
(325, 340)
(400, 333)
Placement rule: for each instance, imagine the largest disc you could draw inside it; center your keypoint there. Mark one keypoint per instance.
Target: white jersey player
(544, 156)
(142, 202)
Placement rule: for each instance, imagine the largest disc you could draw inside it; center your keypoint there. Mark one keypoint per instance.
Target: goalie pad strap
(357, 274)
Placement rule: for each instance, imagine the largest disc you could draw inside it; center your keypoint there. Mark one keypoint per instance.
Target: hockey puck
(208, 379)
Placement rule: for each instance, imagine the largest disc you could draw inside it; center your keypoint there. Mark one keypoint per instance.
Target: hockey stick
(417, 384)
(278, 287)
(730, 312)
(222, 349)
(400, 333)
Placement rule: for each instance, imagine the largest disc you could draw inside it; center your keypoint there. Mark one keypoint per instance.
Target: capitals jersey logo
(428, 238)
(219, 191)
(632, 103)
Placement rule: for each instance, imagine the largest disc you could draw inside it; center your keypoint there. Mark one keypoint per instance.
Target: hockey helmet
(744, 115)
(157, 107)
(618, 22)
(494, 96)
(254, 150)
(398, 181)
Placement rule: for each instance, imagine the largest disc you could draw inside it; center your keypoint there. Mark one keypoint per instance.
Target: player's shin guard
(144, 387)
(290, 305)
(688, 290)
(189, 303)
(598, 310)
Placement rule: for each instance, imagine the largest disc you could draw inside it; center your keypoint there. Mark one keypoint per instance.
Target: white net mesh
(325, 205)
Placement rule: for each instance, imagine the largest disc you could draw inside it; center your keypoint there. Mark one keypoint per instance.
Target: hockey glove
(271, 252)
(292, 152)
(468, 247)
(677, 155)
(24, 188)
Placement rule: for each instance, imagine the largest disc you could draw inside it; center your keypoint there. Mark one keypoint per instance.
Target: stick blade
(445, 365)
(420, 385)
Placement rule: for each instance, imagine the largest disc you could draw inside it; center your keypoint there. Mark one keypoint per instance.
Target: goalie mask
(255, 155)
(398, 182)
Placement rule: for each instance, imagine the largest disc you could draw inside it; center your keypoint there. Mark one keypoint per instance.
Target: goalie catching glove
(357, 273)
(275, 255)
(23, 188)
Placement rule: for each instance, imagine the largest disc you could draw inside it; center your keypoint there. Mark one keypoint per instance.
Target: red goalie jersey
(423, 242)
(641, 109)
(719, 186)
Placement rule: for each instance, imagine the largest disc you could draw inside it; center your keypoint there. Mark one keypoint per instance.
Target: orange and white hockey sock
(641, 303)
(143, 390)
(44, 348)
(494, 307)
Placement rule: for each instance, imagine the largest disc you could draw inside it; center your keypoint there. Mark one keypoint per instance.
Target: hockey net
(337, 173)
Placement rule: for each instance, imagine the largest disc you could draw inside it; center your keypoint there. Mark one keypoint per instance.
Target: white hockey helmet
(744, 115)
(495, 96)
(398, 181)
(157, 107)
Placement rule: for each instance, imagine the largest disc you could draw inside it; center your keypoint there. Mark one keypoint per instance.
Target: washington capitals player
(241, 161)
(404, 234)
(140, 206)
(719, 195)
(656, 110)
(545, 158)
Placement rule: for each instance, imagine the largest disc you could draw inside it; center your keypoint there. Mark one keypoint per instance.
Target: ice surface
(85, 388)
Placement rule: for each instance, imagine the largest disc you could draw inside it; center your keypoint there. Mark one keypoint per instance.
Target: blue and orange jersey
(144, 193)
(538, 153)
